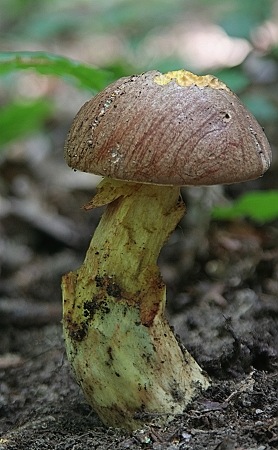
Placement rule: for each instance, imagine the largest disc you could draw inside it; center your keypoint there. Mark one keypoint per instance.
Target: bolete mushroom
(147, 135)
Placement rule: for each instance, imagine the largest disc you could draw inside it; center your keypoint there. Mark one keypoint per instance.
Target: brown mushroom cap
(175, 129)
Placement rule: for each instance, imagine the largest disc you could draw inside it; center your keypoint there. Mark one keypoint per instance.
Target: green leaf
(81, 75)
(18, 119)
(257, 205)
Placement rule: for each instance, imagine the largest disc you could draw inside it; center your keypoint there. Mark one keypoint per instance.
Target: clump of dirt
(42, 407)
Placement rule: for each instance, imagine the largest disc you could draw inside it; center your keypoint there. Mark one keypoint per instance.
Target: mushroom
(147, 135)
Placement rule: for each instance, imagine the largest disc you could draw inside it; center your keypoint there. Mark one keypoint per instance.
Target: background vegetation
(86, 44)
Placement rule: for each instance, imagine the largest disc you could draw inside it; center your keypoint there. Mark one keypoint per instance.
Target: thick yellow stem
(124, 355)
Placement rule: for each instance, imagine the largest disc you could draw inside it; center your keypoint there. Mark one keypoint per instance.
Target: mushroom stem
(119, 343)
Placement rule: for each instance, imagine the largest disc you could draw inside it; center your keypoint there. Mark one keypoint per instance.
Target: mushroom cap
(173, 129)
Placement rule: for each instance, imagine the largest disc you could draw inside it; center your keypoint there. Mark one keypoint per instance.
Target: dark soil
(222, 283)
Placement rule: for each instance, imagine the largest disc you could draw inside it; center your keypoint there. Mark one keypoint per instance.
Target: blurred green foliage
(19, 119)
(81, 75)
(256, 205)
(29, 24)
(245, 15)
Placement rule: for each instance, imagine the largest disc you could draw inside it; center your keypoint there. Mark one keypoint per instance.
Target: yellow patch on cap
(185, 78)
